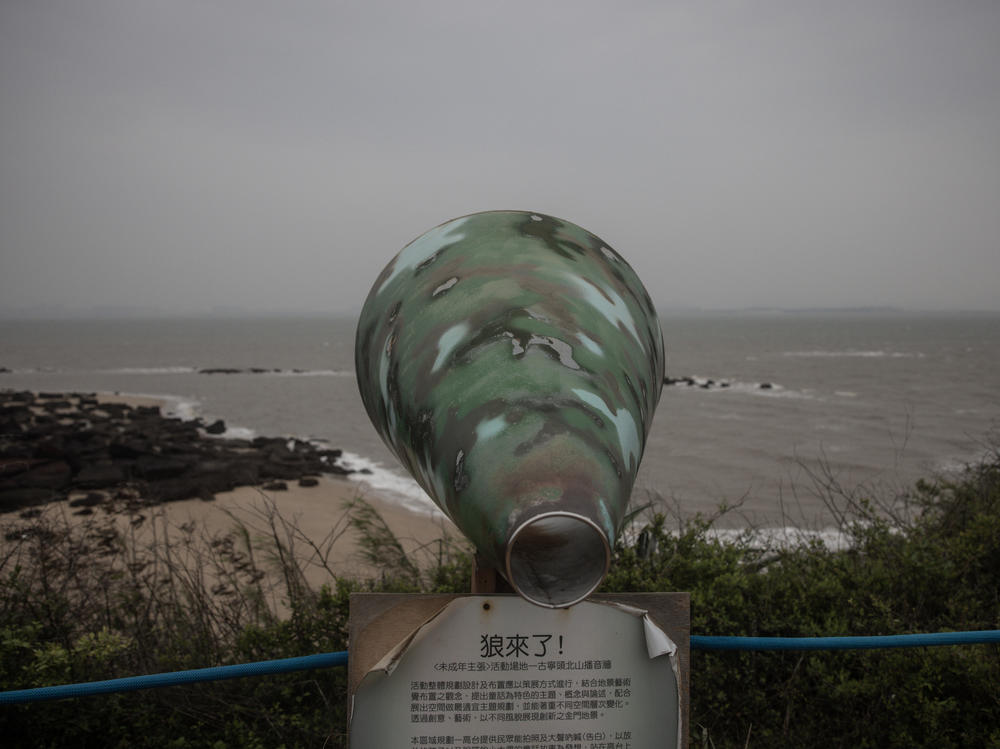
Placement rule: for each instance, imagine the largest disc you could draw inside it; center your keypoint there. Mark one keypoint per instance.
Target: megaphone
(513, 361)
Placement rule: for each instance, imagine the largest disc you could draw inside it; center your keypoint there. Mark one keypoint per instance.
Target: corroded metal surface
(512, 361)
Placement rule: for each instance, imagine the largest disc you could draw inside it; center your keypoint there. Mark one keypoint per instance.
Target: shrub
(92, 601)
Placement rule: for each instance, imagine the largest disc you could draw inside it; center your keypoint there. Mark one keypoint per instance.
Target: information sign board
(496, 672)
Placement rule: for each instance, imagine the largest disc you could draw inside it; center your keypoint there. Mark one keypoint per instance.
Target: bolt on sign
(496, 672)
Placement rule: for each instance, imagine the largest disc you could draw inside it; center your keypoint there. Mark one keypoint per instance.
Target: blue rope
(330, 660)
(703, 642)
(216, 673)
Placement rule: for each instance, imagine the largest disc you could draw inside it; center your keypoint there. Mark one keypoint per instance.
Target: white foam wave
(183, 408)
(765, 389)
(394, 487)
(774, 391)
(185, 370)
(855, 353)
(784, 537)
(147, 370)
(176, 406)
(773, 538)
(957, 464)
(310, 373)
(238, 433)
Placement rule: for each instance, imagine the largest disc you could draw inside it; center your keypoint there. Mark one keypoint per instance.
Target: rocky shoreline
(709, 383)
(73, 447)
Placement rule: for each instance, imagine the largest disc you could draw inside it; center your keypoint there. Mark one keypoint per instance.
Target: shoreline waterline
(881, 400)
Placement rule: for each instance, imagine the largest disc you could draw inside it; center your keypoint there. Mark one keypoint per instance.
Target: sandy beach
(313, 520)
(317, 514)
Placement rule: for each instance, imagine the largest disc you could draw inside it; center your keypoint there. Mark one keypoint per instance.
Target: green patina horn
(512, 361)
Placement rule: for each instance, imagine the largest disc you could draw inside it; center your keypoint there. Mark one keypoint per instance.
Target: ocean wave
(176, 406)
(236, 433)
(784, 537)
(774, 537)
(855, 353)
(954, 465)
(313, 373)
(774, 391)
(713, 385)
(390, 485)
(275, 372)
(184, 370)
(146, 370)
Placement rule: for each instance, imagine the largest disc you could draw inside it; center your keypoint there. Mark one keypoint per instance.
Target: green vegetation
(97, 600)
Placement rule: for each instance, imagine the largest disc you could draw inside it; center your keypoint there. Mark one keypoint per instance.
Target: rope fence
(331, 660)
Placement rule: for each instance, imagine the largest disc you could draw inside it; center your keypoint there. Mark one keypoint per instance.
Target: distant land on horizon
(126, 312)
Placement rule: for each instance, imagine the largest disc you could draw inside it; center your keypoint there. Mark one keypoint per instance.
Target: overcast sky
(272, 155)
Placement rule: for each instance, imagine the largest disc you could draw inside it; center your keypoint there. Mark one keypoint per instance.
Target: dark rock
(10, 427)
(275, 486)
(156, 467)
(48, 445)
(136, 454)
(282, 469)
(219, 370)
(228, 473)
(30, 514)
(52, 476)
(179, 430)
(18, 450)
(57, 405)
(766, 386)
(20, 414)
(129, 449)
(308, 481)
(15, 499)
(83, 435)
(92, 498)
(12, 466)
(50, 396)
(116, 410)
(4, 370)
(216, 427)
(173, 490)
(84, 511)
(262, 442)
(99, 476)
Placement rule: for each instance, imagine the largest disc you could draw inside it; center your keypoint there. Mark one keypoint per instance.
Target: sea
(777, 405)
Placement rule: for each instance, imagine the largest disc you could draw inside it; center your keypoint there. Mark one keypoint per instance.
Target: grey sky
(272, 155)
